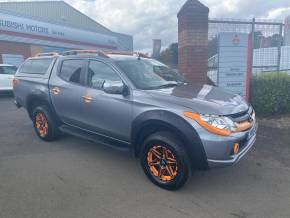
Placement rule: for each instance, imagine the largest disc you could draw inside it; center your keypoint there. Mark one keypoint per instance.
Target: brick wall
(193, 41)
(34, 50)
(15, 48)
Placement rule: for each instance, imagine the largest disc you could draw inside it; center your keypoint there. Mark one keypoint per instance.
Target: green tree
(169, 56)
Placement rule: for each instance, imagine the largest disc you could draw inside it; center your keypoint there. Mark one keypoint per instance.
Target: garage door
(12, 59)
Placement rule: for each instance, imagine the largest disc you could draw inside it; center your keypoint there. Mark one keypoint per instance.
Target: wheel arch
(153, 121)
(38, 99)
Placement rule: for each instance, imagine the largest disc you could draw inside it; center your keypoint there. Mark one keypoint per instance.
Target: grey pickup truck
(137, 104)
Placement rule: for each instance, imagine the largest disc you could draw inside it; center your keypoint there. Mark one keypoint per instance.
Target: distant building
(28, 28)
(156, 48)
(268, 58)
(287, 32)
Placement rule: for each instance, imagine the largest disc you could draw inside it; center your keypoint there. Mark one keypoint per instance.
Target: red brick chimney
(193, 41)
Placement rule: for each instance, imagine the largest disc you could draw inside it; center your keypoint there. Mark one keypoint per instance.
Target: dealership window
(99, 73)
(71, 71)
(36, 66)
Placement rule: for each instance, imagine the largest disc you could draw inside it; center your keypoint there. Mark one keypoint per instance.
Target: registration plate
(252, 132)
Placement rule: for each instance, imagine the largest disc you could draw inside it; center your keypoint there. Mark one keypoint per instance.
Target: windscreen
(149, 74)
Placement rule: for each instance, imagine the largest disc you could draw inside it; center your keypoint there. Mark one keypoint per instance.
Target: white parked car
(7, 73)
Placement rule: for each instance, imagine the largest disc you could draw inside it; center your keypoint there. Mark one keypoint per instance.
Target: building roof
(54, 11)
(193, 6)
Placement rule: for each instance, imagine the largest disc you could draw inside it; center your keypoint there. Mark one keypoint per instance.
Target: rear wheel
(44, 124)
(165, 161)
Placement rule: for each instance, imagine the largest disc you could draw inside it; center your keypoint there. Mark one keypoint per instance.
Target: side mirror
(114, 87)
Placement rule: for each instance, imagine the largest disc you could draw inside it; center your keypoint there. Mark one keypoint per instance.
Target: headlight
(219, 122)
(219, 125)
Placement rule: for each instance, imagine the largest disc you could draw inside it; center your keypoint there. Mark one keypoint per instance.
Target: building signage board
(232, 62)
(11, 23)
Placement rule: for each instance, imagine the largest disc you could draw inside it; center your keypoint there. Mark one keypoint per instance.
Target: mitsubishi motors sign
(20, 28)
(233, 62)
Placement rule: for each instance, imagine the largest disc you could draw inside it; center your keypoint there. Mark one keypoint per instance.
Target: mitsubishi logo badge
(236, 40)
(250, 118)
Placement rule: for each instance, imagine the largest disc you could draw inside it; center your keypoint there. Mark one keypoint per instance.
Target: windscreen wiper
(168, 85)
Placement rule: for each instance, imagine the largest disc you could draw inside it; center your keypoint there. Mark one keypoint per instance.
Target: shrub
(270, 93)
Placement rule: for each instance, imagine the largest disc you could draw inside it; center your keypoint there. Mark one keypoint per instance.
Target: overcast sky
(148, 19)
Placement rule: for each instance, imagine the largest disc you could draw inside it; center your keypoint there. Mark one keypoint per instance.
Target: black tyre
(44, 124)
(164, 161)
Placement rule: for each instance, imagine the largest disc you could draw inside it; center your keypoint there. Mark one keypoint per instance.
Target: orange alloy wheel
(162, 163)
(41, 124)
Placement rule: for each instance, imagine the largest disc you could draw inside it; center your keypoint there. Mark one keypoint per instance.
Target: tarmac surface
(73, 178)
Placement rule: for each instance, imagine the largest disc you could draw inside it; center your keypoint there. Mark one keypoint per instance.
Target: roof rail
(46, 54)
(119, 52)
(94, 52)
(85, 52)
(138, 54)
(141, 55)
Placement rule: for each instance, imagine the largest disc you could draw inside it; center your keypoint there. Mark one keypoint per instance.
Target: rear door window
(71, 71)
(36, 66)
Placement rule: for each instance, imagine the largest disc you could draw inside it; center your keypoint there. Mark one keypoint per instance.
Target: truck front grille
(244, 120)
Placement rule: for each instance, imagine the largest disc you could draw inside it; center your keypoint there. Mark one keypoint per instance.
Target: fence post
(279, 47)
(253, 46)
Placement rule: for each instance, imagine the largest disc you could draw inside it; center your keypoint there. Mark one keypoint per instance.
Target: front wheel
(164, 161)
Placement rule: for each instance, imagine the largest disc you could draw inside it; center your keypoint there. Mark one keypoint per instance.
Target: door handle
(88, 99)
(55, 90)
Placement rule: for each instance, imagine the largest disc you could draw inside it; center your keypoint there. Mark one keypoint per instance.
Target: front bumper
(234, 158)
(246, 141)
(219, 149)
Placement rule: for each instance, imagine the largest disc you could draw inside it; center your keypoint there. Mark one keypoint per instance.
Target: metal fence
(268, 52)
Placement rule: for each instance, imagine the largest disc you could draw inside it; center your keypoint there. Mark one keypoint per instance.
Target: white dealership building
(31, 27)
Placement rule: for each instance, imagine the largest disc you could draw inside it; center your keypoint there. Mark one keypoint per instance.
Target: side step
(122, 146)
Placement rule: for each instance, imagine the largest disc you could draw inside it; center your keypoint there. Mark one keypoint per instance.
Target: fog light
(236, 148)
